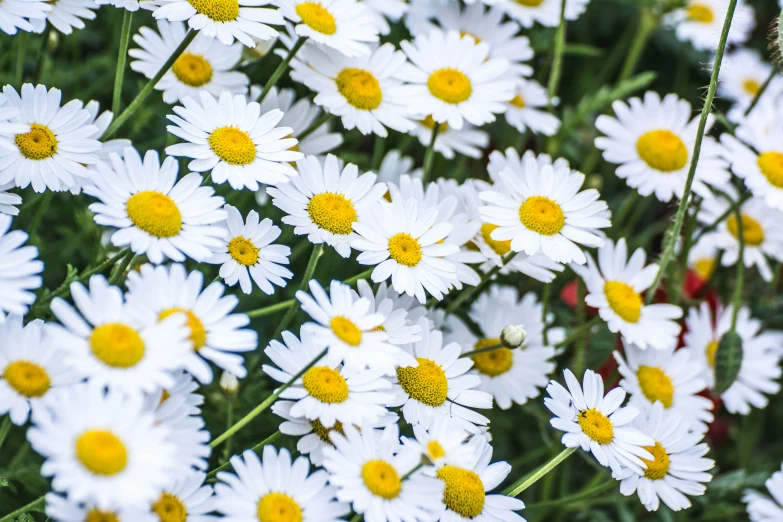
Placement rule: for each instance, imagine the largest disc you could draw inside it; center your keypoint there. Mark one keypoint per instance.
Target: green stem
(122, 56)
(119, 271)
(516, 489)
(325, 117)
(625, 207)
(39, 61)
(318, 251)
(576, 497)
(281, 68)
(482, 350)
(578, 331)
(39, 212)
(35, 504)
(687, 242)
(5, 427)
(21, 49)
(712, 226)
(229, 423)
(671, 240)
(647, 24)
(756, 97)
(740, 269)
(269, 440)
(469, 291)
(429, 154)
(580, 351)
(557, 61)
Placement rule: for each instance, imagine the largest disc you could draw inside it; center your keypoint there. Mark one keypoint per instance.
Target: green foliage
(728, 359)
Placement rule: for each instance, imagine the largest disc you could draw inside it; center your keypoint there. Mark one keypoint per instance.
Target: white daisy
(441, 441)
(17, 14)
(176, 401)
(742, 73)
(63, 510)
(527, 109)
(396, 321)
(385, 11)
(700, 22)
(131, 5)
(766, 508)
(192, 441)
(186, 500)
(468, 140)
(156, 215)
(652, 142)
(544, 12)
(598, 424)
(758, 161)
(66, 15)
(393, 166)
(19, 269)
(204, 66)
(9, 200)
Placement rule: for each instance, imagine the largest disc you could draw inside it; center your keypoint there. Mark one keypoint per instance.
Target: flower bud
(513, 336)
(229, 383)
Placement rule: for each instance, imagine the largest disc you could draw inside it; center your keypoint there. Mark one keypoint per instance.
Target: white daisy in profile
(156, 214)
(225, 20)
(325, 201)
(365, 91)
(453, 79)
(373, 471)
(234, 140)
(248, 253)
(742, 73)
(204, 66)
(766, 508)
(31, 369)
(700, 22)
(669, 377)
(598, 423)
(615, 286)
(9, 200)
(760, 370)
(544, 12)
(441, 441)
(102, 448)
(703, 259)
(528, 109)
(275, 487)
(176, 401)
(186, 499)
(758, 161)
(17, 14)
(397, 323)
(46, 145)
(66, 15)
(218, 336)
(385, 11)
(652, 142)
(468, 140)
(19, 269)
(192, 441)
(678, 468)
(343, 25)
(63, 510)
(394, 165)
(100, 340)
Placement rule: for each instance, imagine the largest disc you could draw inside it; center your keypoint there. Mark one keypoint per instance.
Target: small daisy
(544, 12)
(468, 141)
(176, 401)
(703, 259)
(742, 73)
(225, 20)
(156, 215)
(385, 11)
(762, 171)
(9, 200)
(275, 489)
(678, 467)
(55, 145)
(325, 201)
(700, 22)
(393, 166)
(373, 471)
(652, 142)
(598, 424)
(396, 321)
(19, 269)
(204, 66)
(527, 109)
(103, 449)
(442, 442)
(186, 500)
(766, 508)
(66, 15)
(18, 14)
(218, 336)
(343, 25)
(192, 441)
(452, 78)
(615, 286)
(62, 510)
(231, 138)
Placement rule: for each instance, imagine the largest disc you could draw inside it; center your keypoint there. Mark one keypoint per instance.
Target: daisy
(66, 15)
(652, 141)
(63, 510)
(52, 145)
(396, 320)
(9, 200)
(393, 166)
(742, 73)
(231, 138)
(176, 401)
(343, 25)
(669, 377)
(17, 14)
(100, 340)
(276, 487)
(19, 269)
(527, 109)
(544, 12)
(598, 424)
(442, 442)
(468, 140)
(385, 11)
(131, 5)
(453, 79)
(365, 91)
(224, 19)
(372, 471)
(186, 500)
(762, 171)
(218, 336)
(31, 369)
(700, 22)
(542, 209)
(204, 66)
(760, 370)
(103, 449)
(325, 201)
(192, 441)
(156, 215)
(678, 468)
(764, 508)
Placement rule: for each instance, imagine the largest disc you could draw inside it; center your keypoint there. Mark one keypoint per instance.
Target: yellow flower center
(192, 69)
(381, 479)
(495, 362)
(96, 515)
(700, 13)
(232, 145)
(501, 248)
(317, 17)
(662, 150)
(101, 452)
(323, 432)
(704, 267)
(278, 507)
(359, 88)
(771, 165)
(346, 330)
(624, 300)
(659, 466)
(655, 385)
(38, 144)
(751, 86)
(435, 450)
(467, 33)
(596, 425)
(154, 213)
(464, 491)
(712, 350)
(542, 215)
(117, 345)
(198, 334)
(332, 212)
(164, 395)
(518, 101)
(170, 509)
(325, 385)
(450, 85)
(529, 3)
(425, 383)
(243, 251)
(27, 378)
(751, 229)
(217, 10)
(430, 124)
(404, 249)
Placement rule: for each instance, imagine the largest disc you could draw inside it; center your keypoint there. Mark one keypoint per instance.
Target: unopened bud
(229, 383)
(513, 336)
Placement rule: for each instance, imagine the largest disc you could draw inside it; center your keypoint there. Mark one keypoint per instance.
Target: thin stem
(687, 242)
(429, 154)
(264, 405)
(39, 212)
(576, 497)
(756, 97)
(740, 269)
(122, 56)
(39, 61)
(516, 489)
(647, 24)
(578, 331)
(671, 240)
(325, 117)
(482, 350)
(580, 348)
(269, 440)
(229, 423)
(469, 291)
(21, 49)
(281, 68)
(35, 504)
(318, 251)
(557, 61)
(712, 226)
(119, 271)
(5, 428)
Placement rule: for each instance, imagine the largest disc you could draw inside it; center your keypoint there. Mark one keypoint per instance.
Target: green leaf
(25, 517)
(728, 360)
(3, 483)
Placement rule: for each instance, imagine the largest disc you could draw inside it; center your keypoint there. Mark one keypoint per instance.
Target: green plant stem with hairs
(281, 68)
(648, 21)
(429, 154)
(41, 57)
(517, 488)
(318, 251)
(471, 290)
(34, 505)
(756, 97)
(119, 272)
(5, 428)
(122, 56)
(557, 61)
(21, 50)
(737, 301)
(712, 226)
